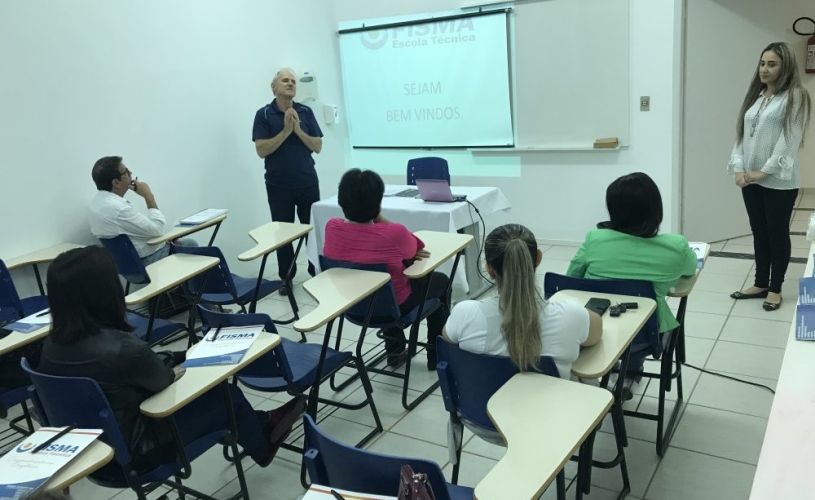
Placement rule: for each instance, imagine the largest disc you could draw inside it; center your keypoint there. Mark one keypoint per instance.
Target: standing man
(285, 135)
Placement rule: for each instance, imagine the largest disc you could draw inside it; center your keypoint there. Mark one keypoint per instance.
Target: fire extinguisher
(810, 61)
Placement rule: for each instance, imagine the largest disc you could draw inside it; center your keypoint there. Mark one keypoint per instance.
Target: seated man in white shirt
(112, 215)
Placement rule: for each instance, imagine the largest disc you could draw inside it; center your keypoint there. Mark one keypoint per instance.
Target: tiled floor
(712, 456)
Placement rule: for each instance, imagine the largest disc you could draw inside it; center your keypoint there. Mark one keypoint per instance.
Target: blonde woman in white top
(770, 131)
(518, 323)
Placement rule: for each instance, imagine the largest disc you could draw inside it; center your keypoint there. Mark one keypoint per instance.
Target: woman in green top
(629, 246)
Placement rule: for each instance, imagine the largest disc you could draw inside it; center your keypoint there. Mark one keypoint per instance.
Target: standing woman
(769, 133)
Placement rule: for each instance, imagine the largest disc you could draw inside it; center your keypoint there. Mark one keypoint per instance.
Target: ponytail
(511, 250)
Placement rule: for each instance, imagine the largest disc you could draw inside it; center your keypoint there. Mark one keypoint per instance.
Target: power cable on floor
(728, 377)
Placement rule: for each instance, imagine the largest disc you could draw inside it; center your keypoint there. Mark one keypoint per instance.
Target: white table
(417, 215)
(785, 464)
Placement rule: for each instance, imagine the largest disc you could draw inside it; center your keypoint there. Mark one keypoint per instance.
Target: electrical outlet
(645, 103)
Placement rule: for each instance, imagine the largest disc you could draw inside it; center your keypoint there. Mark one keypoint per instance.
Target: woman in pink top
(365, 237)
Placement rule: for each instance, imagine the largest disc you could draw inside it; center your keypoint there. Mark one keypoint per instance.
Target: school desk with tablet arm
(192, 224)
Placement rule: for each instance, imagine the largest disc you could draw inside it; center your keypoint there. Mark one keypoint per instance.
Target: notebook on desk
(700, 249)
(22, 471)
(202, 216)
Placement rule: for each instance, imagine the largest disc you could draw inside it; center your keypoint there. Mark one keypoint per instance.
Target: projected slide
(436, 84)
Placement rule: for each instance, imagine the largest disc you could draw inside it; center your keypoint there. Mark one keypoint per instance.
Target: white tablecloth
(415, 214)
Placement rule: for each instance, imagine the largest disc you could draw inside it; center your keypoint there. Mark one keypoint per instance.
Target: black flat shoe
(397, 360)
(769, 306)
(739, 295)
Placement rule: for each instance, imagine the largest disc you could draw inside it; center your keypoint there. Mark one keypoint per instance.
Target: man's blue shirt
(291, 164)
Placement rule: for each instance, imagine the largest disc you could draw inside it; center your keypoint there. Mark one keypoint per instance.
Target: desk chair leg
(584, 463)
(233, 426)
(254, 304)
(671, 356)
(560, 482)
(39, 279)
(214, 234)
(620, 435)
(369, 399)
(191, 318)
(459, 444)
(665, 433)
(13, 423)
(153, 312)
(680, 317)
(314, 395)
(412, 341)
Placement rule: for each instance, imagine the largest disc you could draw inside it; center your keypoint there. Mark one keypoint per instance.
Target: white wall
(562, 195)
(724, 40)
(170, 86)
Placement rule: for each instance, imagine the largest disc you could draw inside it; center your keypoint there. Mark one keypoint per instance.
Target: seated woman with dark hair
(365, 237)
(629, 246)
(90, 337)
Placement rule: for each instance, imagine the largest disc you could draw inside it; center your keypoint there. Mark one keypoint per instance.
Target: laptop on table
(437, 190)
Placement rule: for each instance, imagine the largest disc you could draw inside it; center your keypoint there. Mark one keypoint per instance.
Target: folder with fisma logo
(223, 346)
(28, 465)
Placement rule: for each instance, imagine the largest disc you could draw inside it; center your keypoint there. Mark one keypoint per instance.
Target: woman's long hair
(789, 80)
(511, 251)
(85, 295)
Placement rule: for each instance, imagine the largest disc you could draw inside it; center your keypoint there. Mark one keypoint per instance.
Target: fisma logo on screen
(420, 35)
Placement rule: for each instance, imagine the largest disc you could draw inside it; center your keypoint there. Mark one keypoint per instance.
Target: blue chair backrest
(468, 380)
(127, 259)
(429, 167)
(218, 280)
(385, 306)
(553, 282)
(10, 306)
(270, 365)
(77, 401)
(336, 465)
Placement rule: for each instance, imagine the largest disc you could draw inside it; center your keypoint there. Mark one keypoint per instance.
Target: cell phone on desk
(598, 305)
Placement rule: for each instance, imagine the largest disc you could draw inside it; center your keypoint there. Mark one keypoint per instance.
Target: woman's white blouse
(769, 149)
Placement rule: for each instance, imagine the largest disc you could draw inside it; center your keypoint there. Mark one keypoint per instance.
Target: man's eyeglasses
(127, 171)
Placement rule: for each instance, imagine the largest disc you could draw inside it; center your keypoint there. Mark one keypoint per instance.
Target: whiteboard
(571, 72)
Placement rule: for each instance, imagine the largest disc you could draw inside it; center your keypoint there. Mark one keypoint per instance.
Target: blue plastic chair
(291, 368)
(429, 167)
(127, 260)
(80, 401)
(220, 287)
(553, 282)
(12, 307)
(468, 381)
(336, 465)
(386, 314)
(129, 265)
(661, 346)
